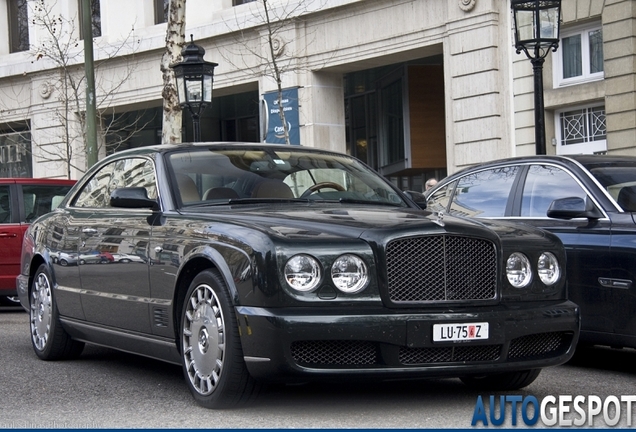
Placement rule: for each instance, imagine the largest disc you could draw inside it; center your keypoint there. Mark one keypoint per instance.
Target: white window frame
(588, 147)
(557, 58)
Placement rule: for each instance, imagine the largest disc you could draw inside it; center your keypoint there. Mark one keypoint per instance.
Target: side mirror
(133, 197)
(573, 207)
(417, 197)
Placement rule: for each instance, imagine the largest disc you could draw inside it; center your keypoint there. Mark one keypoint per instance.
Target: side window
(543, 185)
(5, 205)
(484, 193)
(41, 199)
(95, 192)
(135, 172)
(439, 200)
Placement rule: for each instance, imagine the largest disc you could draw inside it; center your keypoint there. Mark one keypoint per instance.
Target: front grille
(334, 352)
(464, 353)
(537, 345)
(441, 268)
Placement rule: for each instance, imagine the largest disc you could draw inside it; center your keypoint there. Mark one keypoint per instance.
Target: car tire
(502, 381)
(63, 262)
(211, 353)
(82, 262)
(49, 339)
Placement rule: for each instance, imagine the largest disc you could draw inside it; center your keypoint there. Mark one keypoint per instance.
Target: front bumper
(306, 343)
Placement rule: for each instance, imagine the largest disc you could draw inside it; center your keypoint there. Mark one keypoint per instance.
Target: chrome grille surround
(439, 268)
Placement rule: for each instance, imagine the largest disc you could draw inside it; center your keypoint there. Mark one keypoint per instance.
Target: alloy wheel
(204, 339)
(41, 311)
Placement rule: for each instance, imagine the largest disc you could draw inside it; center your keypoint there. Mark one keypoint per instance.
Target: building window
(15, 153)
(240, 2)
(132, 129)
(579, 57)
(581, 131)
(162, 8)
(18, 25)
(96, 18)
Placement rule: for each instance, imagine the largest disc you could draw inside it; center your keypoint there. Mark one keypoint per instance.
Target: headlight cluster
(519, 269)
(348, 272)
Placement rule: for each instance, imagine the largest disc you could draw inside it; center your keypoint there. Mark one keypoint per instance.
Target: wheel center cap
(204, 340)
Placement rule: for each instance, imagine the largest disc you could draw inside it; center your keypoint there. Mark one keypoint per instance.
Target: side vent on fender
(160, 316)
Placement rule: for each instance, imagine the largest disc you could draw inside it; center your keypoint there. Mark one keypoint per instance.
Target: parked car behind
(22, 200)
(291, 264)
(127, 258)
(589, 202)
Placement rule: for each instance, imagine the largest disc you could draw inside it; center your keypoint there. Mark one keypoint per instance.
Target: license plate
(460, 332)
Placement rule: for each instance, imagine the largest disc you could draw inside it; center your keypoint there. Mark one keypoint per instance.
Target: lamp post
(536, 29)
(194, 83)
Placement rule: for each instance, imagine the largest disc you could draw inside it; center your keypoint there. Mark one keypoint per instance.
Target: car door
(622, 287)
(587, 242)
(113, 293)
(10, 239)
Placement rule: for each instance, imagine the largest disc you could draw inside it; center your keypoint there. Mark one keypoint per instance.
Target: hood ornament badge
(440, 218)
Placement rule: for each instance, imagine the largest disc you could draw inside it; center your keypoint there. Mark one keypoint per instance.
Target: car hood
(306, 221)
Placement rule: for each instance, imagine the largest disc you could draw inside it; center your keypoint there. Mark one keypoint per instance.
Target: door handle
(615, 283)
(8, 235)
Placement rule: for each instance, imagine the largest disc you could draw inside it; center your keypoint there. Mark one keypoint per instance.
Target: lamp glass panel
(207, 88)
(181, 90)
(549, 23)
(194, 89)
(525, 28)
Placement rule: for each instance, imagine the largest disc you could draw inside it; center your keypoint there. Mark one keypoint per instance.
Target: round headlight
(548, 268)
(349, 273)
(302, 273)
(518, 270)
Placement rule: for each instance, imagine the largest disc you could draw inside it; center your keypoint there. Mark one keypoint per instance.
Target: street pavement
(110, 389)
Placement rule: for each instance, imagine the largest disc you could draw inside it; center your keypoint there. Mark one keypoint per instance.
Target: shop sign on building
(275, 132)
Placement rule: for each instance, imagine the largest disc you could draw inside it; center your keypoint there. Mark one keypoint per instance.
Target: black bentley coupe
(258, 263)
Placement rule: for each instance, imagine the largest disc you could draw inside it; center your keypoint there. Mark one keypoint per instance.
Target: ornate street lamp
(536, 28)
(194, 82)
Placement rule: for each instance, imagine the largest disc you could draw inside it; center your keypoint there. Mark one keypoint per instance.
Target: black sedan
(590, 203)
(281, 263)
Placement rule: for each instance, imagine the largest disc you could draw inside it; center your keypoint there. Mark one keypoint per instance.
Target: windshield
(617, 180)
(218, 176)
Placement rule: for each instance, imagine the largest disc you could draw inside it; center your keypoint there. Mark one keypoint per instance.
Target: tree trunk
(175, 40)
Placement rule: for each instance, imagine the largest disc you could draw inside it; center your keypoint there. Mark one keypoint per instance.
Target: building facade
(415, 88)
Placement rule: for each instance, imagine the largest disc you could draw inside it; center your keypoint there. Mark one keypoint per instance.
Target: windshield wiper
(368, 202)
(250, 201)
